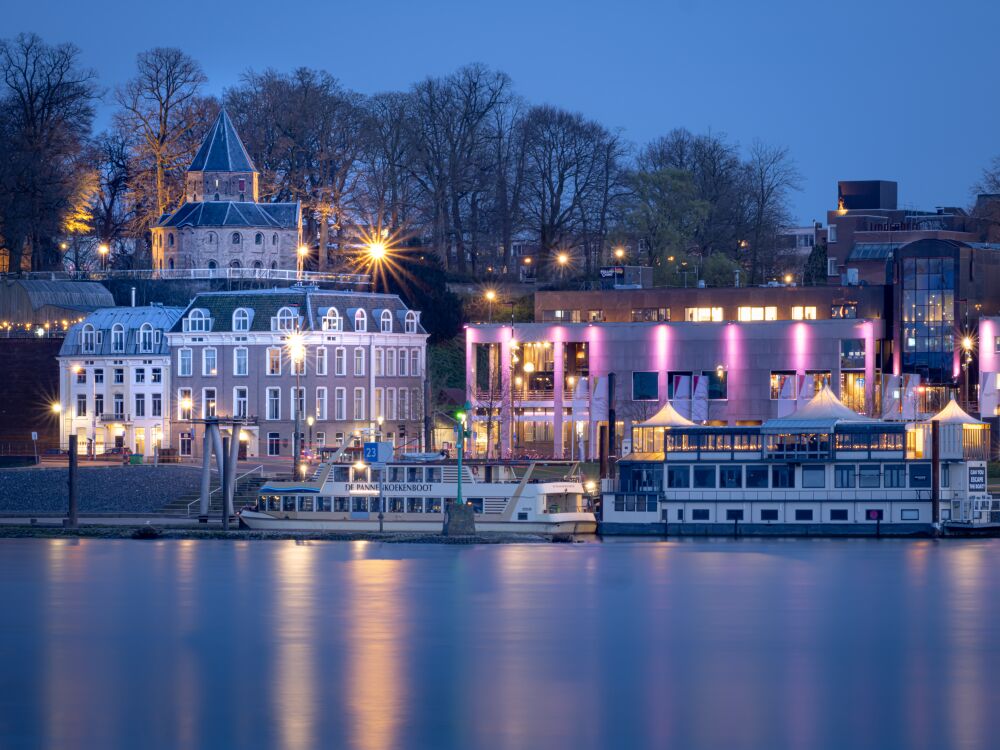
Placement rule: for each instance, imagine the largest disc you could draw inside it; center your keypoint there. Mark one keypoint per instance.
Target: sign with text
(378, 453)
(977, 478)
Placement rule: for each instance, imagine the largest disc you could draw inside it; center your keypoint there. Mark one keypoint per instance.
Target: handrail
(257, 469)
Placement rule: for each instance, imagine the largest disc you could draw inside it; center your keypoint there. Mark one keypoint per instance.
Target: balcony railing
(116, 417)
(264, 274)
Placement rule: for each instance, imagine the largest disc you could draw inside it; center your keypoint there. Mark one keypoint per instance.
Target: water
(745, 644)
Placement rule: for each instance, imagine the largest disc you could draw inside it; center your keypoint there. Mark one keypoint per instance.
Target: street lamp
(562, 259)
(103, 249)
(302, 253)
(619, 252)
(491, 297)
(310, 420)
(968, 344)
(56, 407)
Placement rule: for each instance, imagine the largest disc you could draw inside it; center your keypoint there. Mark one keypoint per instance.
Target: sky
(883, 89)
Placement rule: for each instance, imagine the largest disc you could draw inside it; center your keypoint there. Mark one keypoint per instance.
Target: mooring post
(225, 483)
(206, 476)
(232, 462)
(72, 520)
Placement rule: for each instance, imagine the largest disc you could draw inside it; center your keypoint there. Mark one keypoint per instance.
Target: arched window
(235, 264)
(170, 264)
(386, 321)
(360, 321)
(274, 264)
(286, 319)
(212, 265)
(197, 321)
(257, 264)
(258, 239)
(146, 338)
(170, 239)
(88, 339)
(236, 238)
(274, 238)
(241, 319)
(117, 337)
(332, 320)
(212, 238)
(411, 322)
(216, 196)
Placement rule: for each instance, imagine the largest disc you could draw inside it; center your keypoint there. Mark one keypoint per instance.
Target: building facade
(544, 388)
(114, 380)
(363, 357)
(222, 223)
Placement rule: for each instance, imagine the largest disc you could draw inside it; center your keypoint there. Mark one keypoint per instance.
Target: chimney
(133, 296)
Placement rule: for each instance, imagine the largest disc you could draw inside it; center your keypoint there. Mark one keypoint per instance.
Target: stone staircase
(246, 494)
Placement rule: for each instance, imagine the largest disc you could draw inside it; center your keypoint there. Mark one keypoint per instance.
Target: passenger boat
(540, 497)
(824, 469)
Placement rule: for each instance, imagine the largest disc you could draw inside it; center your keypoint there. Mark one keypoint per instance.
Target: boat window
(868, 475)
(782, 476)
(756, 477)
(704, 477)
(395, 505)
(678, 476)
(395, 473)
(341, 504)
(433, 474)
(838, 514)
(413, 474)
(734, 515)
(699, 514)
(803, 514)
(843, 476)
(895, 475)
(359, 504)
(769, 514)
(433, 505)
(306, 504)
(288, 503)
(323, 503)
(477, 505)
(341, 474)
(813, 477)
(414, 505)
(730, 477)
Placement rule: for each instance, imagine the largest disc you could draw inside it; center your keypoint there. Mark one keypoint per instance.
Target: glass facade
(928, 312)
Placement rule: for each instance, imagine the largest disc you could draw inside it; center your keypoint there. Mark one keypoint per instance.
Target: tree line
(459, 166)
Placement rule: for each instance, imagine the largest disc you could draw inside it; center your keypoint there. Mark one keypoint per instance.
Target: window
(718, 383)
(756, 477)
(638, 315)
(703, 314)
(813, 477)
(831, 234)
(831, 266)
(359, 361)
(838, 514)
(273, 403)
(117, 338)
(386, 322)
(909, 514)
(920, 475)
(340, 361)
(240, 400)
(273, 361)
(185, 443)
(208, 402)
(81, 405)
(730, 477)
(146, 338)
(241, 361)
(235, 238)
(782, 477)
(209, 361)
(869, 476)
(286, 320)
(733, 514)
(803, 514)
(414, 404)
(258, 239)
(140, 375)
(359, 403)
(321, 403)
(119, 376)
(800, 312)
(390, 362)
(894, 476)
(757, 313)
(156, 375)
(704, 477)
(298, 367)
(769, 514)
(340, 404)
(699, 514)
(140, 405)
(297, 397)
(274, 238)
(184, 403)
(410, 324)
(379, 403)
(98, 404)
(645, 386)
(241, 319)
(415, 362)
(81, 377)
(843, 476)
(678, 476)
(197, 321)
(332, 320)
(390, 403)
(88, 339)
(945, 475)
(782, 385)
(403, 362)
(360, 321)
(378, 361)
(273, 444)
(404, 403)
(321, 360)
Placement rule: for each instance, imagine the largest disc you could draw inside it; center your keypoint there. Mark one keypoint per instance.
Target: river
(745, 643)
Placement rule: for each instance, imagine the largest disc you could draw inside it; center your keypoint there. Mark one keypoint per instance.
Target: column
(558, 354)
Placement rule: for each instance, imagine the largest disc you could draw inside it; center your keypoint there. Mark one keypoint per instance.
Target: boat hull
(562, 523)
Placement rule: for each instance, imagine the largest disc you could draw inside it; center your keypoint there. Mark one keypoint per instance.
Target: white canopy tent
(820, 414)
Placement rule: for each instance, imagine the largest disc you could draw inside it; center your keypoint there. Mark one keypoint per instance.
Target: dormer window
(243, 184)
(386, 321)
(411, 322)
(198, 321)
(146, 338)
(118, 338)
(241, 319)
(360, 321)
(88, 339)
(286, 320)
(332, 320)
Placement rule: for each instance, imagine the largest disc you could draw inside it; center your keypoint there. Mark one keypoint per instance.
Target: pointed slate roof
(954, 414)
(821, 414)
(222, 150)
(667, 417)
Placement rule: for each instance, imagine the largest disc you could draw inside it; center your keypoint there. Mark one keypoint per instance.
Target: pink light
(800, 346)
(987, 350)
(662, 348)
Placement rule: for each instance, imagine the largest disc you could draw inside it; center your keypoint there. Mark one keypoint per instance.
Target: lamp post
(104, 250)
(491, 297)
(310, 420)
(967, 346)
(303, 251)
(461, 433)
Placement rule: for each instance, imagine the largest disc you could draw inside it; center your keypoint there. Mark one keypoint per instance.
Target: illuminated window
(803, 313)
(782, 385)
(703, 314)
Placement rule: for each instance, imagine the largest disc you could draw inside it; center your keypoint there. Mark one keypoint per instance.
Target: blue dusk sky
(883, 89)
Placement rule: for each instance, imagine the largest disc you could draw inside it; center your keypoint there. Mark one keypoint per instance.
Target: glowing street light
(619, 252)
(967, 343)
(562, 259)
(104, 250)
(377, 250)
(56, 407)
(303, 251)
(788, 278)
(491, 297)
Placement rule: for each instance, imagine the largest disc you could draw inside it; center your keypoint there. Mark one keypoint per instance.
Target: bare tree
(771, 175)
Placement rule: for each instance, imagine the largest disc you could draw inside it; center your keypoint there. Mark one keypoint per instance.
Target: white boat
(536, 497)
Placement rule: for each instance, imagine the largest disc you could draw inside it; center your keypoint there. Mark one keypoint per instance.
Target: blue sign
(371, 452)
(377, 453)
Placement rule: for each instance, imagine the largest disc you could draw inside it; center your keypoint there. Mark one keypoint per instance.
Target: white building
(114, 380)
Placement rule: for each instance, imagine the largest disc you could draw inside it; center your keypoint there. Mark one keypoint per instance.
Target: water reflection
(744, 644)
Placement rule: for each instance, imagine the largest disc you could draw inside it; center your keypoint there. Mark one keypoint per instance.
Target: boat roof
(954, 414)
(823, 413)
(667, 416)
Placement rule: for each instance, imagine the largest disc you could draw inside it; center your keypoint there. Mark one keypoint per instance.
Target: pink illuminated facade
(542, 389)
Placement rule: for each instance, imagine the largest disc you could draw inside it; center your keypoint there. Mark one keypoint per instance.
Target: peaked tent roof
(222, 150)
(821, 414)
(954, 414)
(667, 417)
